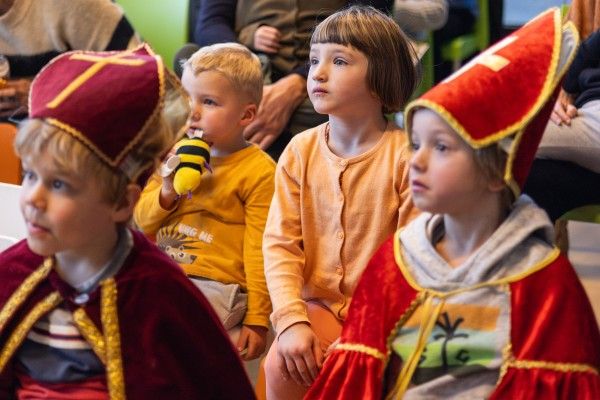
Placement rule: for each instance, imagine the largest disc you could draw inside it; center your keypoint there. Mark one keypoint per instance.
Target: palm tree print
(449, 329)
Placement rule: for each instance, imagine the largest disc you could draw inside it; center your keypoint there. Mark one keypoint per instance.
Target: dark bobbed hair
(391, 73)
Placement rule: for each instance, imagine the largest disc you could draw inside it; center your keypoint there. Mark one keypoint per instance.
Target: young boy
(471, 300)
(216, 235)
(88, 308)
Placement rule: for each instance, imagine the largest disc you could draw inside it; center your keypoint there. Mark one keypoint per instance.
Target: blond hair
(391, 73)
(491, 161)
(238, 64)
(36, 138)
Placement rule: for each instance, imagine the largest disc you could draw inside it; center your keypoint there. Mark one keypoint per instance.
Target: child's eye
(313, 61)
(58, 184)
(209, 102)
(441, 147)
(414, 146)
(28, 175)
(339, 61)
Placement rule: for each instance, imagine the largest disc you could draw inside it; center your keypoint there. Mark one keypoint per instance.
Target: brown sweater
(585, 14)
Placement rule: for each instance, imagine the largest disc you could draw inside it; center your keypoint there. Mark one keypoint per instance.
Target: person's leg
(578, 142)
(326, 327)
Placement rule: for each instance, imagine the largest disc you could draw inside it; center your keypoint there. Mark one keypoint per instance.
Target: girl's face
(337, 81)
(444, 177)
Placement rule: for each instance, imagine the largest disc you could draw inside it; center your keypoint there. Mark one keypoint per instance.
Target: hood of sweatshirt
(522, 241)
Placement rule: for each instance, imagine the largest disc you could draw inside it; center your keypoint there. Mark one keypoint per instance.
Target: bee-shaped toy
(190, 162)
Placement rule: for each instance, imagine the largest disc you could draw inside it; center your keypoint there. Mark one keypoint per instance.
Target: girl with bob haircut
(341, 189)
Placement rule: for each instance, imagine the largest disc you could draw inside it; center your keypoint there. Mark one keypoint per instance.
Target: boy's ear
(124, 208)
(249, 114)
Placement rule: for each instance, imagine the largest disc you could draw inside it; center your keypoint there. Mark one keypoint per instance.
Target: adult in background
(32, 32)
(279, 31)
(417, 16)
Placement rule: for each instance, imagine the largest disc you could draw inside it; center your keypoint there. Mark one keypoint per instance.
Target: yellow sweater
(328, 216)
(217, 234)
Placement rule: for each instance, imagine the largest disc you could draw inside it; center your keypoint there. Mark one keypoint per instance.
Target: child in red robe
(90, 309)
(471, 299)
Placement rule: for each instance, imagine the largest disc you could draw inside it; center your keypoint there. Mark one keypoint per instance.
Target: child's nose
(418, 159)
(196, 114)
(318, 72)
(35, 195)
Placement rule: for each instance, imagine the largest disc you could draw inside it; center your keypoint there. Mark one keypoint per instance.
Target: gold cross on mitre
(98, 64)
(488, 59)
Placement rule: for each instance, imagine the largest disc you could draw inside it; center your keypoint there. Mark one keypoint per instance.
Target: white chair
(12, 226)
(6, 242)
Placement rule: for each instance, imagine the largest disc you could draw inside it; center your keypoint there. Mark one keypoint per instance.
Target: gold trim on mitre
(547, 88)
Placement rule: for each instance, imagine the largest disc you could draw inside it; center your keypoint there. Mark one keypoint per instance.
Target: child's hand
(254, 339)
(168, 196)
(299, 354)
(13, 97)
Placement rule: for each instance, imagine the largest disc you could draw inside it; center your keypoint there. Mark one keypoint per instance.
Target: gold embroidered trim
(431, 313)
(547, 87)
(19, 334)
(81, 137)
(134, 142)
(24, 290)
(97, 64)
(160, 104)
(551, 257)
(361, 348)
(417, 301)
(554, 366)
(553, 76)
(91, 333)
(506, 357)
(110, 325)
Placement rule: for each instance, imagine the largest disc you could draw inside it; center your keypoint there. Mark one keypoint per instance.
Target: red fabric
(551, 320)
(378, 302)
(90, 389)
(117, 99)
(363, 380)
(479, 92)
(531, 139)
(547, 385)
(172, 344)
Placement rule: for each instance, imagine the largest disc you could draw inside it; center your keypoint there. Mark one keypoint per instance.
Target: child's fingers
(242, 343)
(303, 370)
(293, 371)
(282, 367)
(252, 347)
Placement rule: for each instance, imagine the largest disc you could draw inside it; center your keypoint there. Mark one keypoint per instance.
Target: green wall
(162, 23)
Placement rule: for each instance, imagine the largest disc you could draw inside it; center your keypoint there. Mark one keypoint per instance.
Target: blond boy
(91, 309)
(216, 233)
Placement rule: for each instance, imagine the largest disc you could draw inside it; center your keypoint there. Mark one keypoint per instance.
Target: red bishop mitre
(506, 94)
(104, 99)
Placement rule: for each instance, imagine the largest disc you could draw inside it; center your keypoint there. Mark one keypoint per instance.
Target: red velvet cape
(554, 335)
(172, 346)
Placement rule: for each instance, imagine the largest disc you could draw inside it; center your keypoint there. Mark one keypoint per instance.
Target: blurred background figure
(32, 32)
(279, 32)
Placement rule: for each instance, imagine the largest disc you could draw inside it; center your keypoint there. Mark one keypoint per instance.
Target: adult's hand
(299, 355)
(564, 110)
(266, 39)
(279, 101)
(13, 97)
